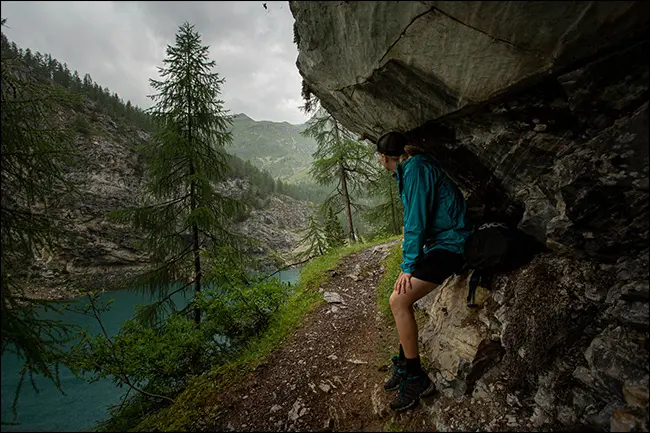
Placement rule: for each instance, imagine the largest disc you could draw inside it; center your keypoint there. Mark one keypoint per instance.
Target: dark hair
(392, 143)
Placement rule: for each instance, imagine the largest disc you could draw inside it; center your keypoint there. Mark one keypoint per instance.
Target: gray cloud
(121, 44)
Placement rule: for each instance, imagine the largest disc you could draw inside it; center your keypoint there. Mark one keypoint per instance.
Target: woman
(432, 250)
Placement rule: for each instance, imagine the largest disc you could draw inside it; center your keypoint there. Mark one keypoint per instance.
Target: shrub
(82, 125)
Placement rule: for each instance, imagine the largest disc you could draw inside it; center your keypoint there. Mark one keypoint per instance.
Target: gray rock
(539, 417)
(332, 298)
(572, 186)
(296, 410)
(512, 400)
(616, 357)
(378, 406)
(633, 313)
(349, 70)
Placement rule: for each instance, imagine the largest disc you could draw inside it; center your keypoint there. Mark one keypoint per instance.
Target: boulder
(457, 344)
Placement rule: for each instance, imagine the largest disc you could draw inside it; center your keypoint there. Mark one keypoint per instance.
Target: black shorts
(437, 265)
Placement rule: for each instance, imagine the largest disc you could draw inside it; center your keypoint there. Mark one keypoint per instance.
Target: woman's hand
(403, 283)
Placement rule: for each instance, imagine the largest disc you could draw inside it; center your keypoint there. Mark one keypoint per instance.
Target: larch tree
(340, 160)
(183, 215)
(313, 238)
(386, 215)
(334, 235)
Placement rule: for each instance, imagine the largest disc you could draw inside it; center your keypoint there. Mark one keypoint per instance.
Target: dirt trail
(328, 375)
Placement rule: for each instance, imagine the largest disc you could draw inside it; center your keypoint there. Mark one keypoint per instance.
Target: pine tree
(387, 214)
(338, 158)
(183, 214)
(314, 237)
(35, 150)
(334, 235)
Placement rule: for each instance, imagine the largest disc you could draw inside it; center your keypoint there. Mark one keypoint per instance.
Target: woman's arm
(418, 194)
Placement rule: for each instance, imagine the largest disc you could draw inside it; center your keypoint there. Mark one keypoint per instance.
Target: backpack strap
(474, 281)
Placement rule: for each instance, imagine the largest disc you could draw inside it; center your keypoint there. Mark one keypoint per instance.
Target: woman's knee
(399, 302)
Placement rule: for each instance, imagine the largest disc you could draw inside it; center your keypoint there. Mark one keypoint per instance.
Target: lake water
(85, 403)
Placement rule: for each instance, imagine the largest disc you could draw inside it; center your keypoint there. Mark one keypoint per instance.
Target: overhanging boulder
(538, 110)
(378, 66)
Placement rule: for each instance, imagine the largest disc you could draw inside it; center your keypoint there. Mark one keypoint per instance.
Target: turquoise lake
(84, 404)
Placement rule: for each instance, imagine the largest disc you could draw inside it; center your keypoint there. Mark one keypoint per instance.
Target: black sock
(402, 357)
(413, 367)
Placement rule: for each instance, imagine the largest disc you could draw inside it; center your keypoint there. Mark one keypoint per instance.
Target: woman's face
(386, 162)
(383, 160)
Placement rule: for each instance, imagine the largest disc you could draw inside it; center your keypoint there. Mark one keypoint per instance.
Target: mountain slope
(110, 174)
(274, 146)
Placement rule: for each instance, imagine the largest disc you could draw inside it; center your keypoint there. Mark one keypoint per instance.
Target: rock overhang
(380, 66)
(537, 109)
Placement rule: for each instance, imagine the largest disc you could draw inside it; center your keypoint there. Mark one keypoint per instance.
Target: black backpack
(492, 248)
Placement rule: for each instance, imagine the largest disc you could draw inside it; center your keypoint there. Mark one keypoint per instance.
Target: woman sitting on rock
(435, 231)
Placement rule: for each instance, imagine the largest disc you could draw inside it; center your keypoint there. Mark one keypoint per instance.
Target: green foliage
(314, 238)
(158, 357)
(165, 361)
(386, 285)
(161, 360)
(183, 216)
(386, 213)
(304, 190)
(82, 125)
(341, 161)
(48, 69)
(334, 235)
(275, 147)
(36, 147)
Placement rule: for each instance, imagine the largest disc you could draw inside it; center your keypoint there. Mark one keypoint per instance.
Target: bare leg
(402, 308)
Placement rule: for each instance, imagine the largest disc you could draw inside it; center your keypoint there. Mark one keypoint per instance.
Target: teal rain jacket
(434, 210)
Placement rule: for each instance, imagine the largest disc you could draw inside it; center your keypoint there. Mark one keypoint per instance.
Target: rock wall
(560, 344)
(539, 111)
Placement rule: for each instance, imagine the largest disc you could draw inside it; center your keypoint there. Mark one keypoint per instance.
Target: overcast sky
(121, 43)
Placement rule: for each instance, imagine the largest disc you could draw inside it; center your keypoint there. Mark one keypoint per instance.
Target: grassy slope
(274, 146)
(198, 401)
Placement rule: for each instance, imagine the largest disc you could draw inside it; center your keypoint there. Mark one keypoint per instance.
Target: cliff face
(110, 176)
(539, 110)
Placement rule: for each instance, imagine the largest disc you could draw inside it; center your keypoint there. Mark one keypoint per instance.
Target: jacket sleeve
(418, 193)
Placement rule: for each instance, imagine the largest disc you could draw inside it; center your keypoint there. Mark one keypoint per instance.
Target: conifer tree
(334, 235)
(36, 148)
(182, 214)
(340, 159)
(314, 237)
(387, 214)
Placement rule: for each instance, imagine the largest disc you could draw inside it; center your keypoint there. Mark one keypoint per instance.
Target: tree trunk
(346, 199)
(344, 184)
(197, 256)
(193, 205)
(392, 211)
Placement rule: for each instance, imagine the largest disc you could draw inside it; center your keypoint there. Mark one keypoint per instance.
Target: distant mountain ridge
(274, 146)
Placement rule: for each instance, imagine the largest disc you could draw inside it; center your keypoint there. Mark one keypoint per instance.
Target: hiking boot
(393, 381)
(410, 390)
